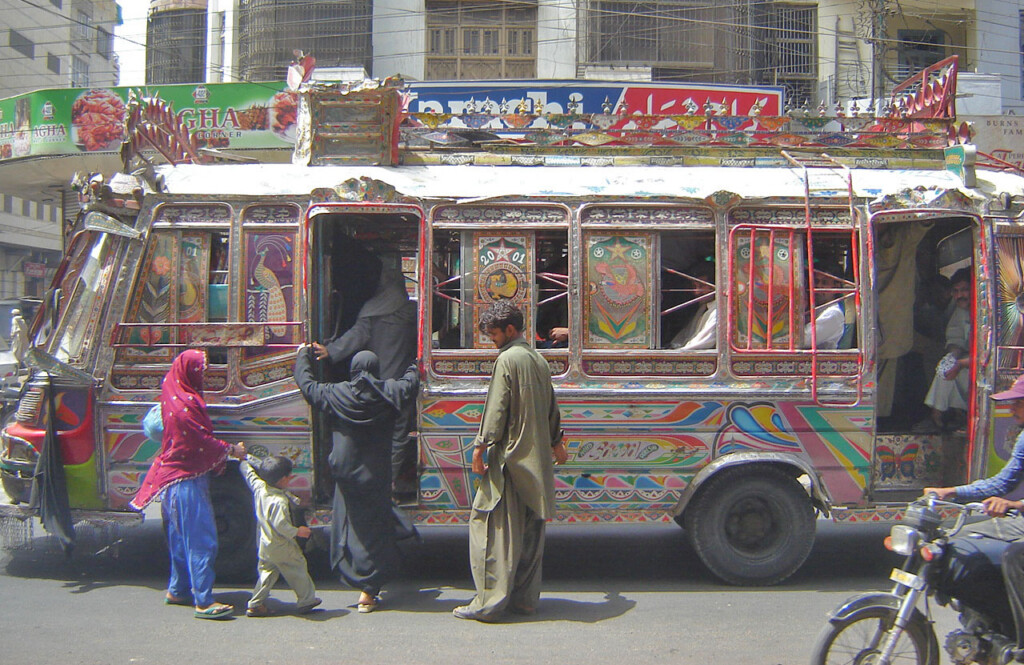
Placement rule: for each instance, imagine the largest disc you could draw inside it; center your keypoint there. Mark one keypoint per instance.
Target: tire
(752, 525)
(237, 536)
(854, 639)
(17, 487)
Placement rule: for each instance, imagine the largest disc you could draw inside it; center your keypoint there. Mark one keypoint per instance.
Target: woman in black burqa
(366, 525)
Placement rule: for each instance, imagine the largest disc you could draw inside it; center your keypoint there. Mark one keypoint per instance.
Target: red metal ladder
(835, 171)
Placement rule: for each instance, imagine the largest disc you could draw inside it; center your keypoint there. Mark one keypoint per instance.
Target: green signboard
(222, 115)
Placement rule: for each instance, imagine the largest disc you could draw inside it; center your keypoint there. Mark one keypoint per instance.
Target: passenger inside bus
(553, 300)
(831, 329)
(949, 392)
(914, 261)
(701, 332)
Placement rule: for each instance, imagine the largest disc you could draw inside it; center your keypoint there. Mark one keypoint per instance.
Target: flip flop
(366, 608)
(215, 611)
(174, 600)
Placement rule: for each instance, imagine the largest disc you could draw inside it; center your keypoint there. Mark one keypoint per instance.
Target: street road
(612, 594)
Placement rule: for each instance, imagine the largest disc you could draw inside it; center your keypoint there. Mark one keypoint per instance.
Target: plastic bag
(153, 424)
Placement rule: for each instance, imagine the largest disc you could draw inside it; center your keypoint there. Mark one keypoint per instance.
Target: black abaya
(365, 524)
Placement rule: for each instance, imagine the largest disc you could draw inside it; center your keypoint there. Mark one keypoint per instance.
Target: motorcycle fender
(859, 602)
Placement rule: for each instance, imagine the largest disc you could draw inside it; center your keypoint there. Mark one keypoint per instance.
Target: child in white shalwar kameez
(279, 554)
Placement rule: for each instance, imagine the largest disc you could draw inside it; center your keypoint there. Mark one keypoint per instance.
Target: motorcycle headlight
(903, 539)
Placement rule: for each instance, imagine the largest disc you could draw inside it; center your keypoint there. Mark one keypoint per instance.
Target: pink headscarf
(189, 448)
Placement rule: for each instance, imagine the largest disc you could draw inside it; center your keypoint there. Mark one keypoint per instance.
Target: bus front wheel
(752, 525)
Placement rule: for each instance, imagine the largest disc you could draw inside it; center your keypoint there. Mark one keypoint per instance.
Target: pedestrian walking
(519, 435)
(180, 476)
(279, 554)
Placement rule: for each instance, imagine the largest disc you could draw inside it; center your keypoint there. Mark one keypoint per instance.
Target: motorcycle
(964, 573)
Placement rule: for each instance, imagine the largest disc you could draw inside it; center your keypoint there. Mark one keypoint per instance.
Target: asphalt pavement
(612, 594)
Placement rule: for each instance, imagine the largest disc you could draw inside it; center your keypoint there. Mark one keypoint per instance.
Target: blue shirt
(1000, 484)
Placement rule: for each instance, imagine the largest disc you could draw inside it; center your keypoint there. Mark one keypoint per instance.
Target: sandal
(258, 611)
(170, 599)
(306, 609)
(214, 611)
(366, 608)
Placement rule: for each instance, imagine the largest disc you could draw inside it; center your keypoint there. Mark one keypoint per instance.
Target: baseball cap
(1016, 391)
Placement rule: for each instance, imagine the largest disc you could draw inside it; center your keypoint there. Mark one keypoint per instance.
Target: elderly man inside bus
(701, 332)
(832, 330)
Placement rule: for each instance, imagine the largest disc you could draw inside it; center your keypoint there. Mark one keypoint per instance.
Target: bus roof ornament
(98, 221)
(44, 362)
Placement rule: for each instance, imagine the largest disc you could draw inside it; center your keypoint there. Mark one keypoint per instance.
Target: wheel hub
(750, 525)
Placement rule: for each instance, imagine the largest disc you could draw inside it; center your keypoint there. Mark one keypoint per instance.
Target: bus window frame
(657, 219)
(453, 217)
(100, 299)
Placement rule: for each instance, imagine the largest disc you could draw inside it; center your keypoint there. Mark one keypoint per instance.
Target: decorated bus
(744, 309)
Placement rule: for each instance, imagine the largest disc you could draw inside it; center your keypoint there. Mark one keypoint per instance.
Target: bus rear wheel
(752, 525)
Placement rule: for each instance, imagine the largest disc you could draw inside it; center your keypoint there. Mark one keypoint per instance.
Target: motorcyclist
(992, 493)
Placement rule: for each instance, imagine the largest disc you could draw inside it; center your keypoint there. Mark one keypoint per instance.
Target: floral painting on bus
(617, 308)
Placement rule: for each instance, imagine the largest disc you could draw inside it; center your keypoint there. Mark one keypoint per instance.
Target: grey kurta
(516, 495)
(520, 425)
(279, 554)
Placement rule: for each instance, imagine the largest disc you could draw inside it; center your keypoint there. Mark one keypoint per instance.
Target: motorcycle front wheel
(856, 639)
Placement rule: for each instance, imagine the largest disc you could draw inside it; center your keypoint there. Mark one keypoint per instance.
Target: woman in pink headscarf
(180, 475)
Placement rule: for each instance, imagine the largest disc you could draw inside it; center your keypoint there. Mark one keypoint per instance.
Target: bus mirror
(98, 221)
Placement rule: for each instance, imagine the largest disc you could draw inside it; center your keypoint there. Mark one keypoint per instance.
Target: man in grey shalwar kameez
(519, 434)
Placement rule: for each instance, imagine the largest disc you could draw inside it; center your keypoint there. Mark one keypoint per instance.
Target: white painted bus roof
(466, 183)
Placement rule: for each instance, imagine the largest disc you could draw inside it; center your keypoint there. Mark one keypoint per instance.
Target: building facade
(176, 35)
(45, 44)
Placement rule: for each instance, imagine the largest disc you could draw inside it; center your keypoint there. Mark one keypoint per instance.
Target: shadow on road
(609, 559)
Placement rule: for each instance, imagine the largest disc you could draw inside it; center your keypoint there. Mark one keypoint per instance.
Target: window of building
(791, 38)
(53, 214)
(668, 32)
(40, 212)
(79, 72)
(83, 25)
(21, 44)
(917, 49)
(8, 203)
(59, 4)
(26, 208)
(53, 63)
(470, 41)
(104, 43)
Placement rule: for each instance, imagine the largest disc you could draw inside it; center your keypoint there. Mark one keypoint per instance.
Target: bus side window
(834, 308)
(449, 302)
(174, 287)
(689, 312)
(552, 284)
(771, 299)
(471, 269)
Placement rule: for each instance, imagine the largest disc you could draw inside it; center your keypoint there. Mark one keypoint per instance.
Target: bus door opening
(925, 344)
(363, 294)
